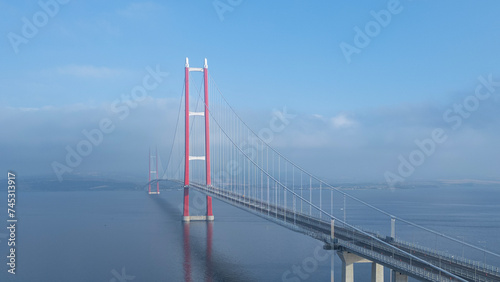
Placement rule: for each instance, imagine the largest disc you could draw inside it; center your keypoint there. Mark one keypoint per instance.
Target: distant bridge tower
(155, 172)
(187, 157)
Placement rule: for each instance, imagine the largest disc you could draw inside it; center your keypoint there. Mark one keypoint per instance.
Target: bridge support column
(332, 267)
(377, 272)
(185, 215)
(348, 261)
(210, 214)
(399, 277)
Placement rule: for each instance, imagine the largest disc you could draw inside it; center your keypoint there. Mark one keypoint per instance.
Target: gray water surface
(132, 236)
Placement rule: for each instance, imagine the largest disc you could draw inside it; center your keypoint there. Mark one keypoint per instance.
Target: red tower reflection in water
(187, 252)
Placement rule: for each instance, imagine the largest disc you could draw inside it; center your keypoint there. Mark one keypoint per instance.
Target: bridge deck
(361, 244)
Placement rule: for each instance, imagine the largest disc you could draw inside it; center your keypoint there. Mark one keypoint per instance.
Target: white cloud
(88, 71)
(342, 121)
(139, 9)
(372, 147)
(42, 135)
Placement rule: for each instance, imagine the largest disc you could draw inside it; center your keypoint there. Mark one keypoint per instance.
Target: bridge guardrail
(279, 214)
(458, 260)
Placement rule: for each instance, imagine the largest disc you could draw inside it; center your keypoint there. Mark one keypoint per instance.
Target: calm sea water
(131, 236)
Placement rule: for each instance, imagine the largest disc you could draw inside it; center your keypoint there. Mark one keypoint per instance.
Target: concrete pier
(399, 277)
(348, 261)
(377, 272)
(198, 218)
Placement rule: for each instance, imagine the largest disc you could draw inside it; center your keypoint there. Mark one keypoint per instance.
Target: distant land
(89, 183)
(81, 184)
(469, 181)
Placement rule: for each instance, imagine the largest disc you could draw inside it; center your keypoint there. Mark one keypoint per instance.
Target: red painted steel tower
(185, 216)
(187, 157)
(210, 215)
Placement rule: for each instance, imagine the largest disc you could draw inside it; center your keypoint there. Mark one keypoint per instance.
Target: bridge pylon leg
(185, 215)
(210, 214)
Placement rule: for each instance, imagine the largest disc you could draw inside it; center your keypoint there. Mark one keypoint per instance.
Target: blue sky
(264, 55)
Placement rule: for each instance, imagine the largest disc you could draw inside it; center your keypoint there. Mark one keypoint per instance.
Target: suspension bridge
(216, 153)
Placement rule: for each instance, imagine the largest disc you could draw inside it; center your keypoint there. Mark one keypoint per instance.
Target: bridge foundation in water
(399, 277)
(208, 217)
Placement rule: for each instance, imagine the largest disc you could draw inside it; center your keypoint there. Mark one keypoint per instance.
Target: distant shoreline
(90, 184)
